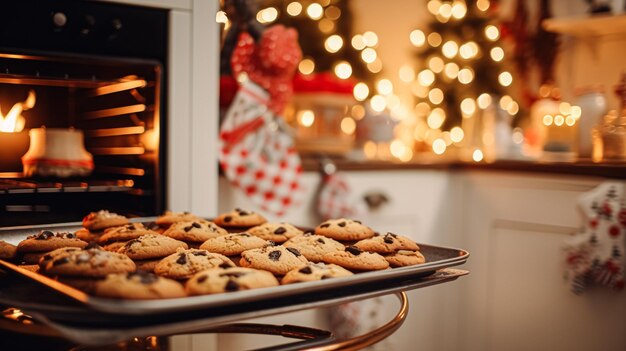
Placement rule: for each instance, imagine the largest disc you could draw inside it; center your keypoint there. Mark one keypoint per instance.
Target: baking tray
(220, 304)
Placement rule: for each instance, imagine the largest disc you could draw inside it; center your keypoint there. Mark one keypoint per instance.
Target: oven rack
(32, 186)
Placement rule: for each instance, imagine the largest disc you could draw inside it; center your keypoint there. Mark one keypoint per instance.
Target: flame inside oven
(14, 122)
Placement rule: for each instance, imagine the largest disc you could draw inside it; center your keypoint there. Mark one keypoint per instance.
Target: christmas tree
(462, 67)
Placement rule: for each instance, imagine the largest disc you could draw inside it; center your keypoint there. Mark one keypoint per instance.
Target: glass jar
(610, 139)
(593, 105)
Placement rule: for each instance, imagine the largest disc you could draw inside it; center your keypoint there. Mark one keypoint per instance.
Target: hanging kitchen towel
(256, 154)
(334, 198)
(595, 255)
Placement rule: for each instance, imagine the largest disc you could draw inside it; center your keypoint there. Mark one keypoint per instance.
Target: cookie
(151, 246)
(85, 234)
(170, 217)
(7, 251)
(114, 246)
(139, 286)
(313, 246)
(344, 230)
(276, 259)
(388, 243)
(30, 267)
(49, 256)
(85, 284)
(405, 258)
(233, 244)
(90, 263)
(47, 241)
(103, 219)
(315, 271)
(219, 280)
(239, 218)
(276, 232)
(33, 257)
(194, 231)
(125, 233)
(354, 259)
(185, 263)
(147, 265)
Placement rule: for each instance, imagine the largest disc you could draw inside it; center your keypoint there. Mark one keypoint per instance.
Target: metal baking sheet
(437, 257)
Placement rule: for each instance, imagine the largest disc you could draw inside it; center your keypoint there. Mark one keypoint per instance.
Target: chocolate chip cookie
(194, 231)
(219, 280)
(276, 232)
(151, 246)
(354, 259)
(124, 233)
(403, 258)
(185, 263)
(313, 246)
(7, 251)
(344, 230)
(276, 259)
(103, 219)
(233, 244)
(47, 241)
(138, 286)
(171, 217)
(239, 218)
(315, 271)
(388, 243)
(89, 263)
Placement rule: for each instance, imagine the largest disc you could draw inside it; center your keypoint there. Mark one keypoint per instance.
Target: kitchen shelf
(587, 26)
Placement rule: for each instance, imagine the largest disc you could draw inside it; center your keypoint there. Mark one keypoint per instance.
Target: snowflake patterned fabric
(595, 255)
(256, 154)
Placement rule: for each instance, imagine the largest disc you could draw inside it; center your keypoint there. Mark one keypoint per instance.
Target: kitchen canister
(593, 106)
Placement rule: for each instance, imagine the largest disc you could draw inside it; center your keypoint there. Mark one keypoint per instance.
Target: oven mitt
(256, 153)
(595, 255)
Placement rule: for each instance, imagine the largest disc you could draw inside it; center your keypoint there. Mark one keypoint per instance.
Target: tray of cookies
(179, 264)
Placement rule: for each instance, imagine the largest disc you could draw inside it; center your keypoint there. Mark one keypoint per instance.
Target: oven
(95, 73)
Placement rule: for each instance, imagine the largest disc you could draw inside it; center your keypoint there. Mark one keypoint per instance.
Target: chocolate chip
(44, 235)
(280, 230)
(70, 235)
(188, 228)
(392, 234)
(92, 245)
(341, 224)
(61, 261)
(182, 258)
(321, 241)
(47, 257)
(357, 221)
(242, 212)
(326, 276)
(203, 278)
(153, 226)
(231, 286)
(199, 253)
(306, 270)
(274, 255)
(353, 250)
(232, 274)
(186, 212)
(131, 227)
(294, 251)
(196, 225)
(228, 219)
(388, 239)
(144, 277)
(325, 225)
(225, 265)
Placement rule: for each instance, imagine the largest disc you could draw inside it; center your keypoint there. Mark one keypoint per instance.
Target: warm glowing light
(565, 108)
(358, 112)
(361, 91)
(333, 13)
(559, 120)
(306, 118)
(358, 42)
(451, 70)
(417, 37)
(466, 76)
(370, 38)
(267, 15)
(348, 125)
(435, 96)
(446, 138)
(422, 109)
(492, 32)
(468, 106)
(333, 43)
(370, 149)
(242, 77)
(445, 10)
(399, 150)
(434, 39)
(439, 146)
(375, 66)
(518, 136)
(547, 120)
(477, 155)
(384, 87)
(459, 10)
(343, 70)
(306, 66)
(326, 26)
(294, 8)
(484, 100)
(505, 79)
(468, 50)
(457, 134)
(378, 103)
(570, 120)
(497, 54)
(406, 73)
(505, 101)
(315, 11)
(436, 118)
(14, 122)
(450, 49)
(369, 55)
(426, 77)
(433, 7)
(435, 64)
(220, 17)
(483, 5)
(512, 108)
(576, 111)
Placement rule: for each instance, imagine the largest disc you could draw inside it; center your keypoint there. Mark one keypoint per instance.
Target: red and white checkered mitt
(595, 255)
(256, 155)
(334, 198)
